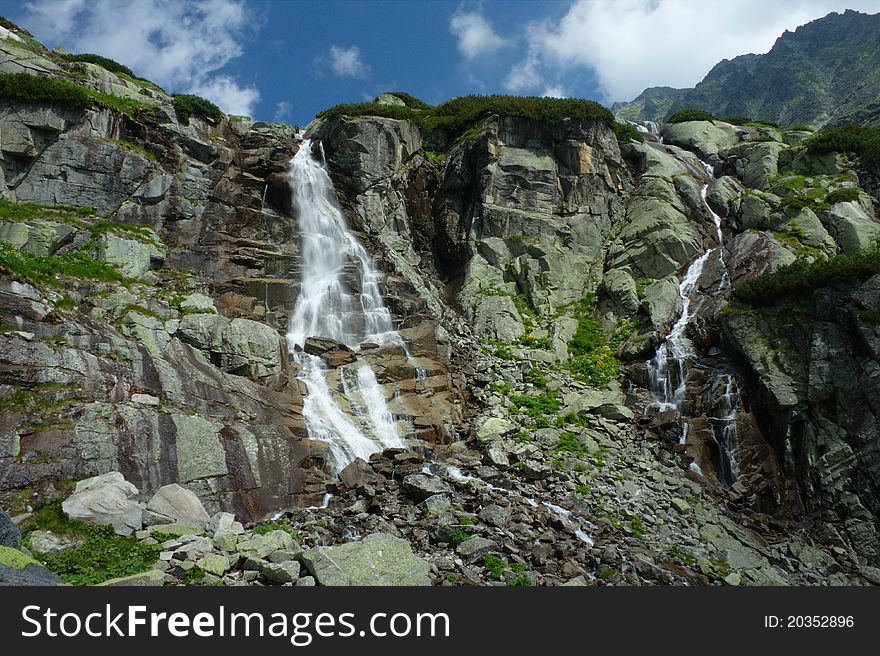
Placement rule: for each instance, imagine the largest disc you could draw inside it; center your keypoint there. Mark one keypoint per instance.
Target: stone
(495, 515)
(681, 505)
(150, 578)
(177, 529)
(226, 541)
(134, 258)
(493, 428)
(475, 548)
(357, 474)
(145, 399)
(216, 564)
(194, 550)
(46, 542)
(706, 137)
(198, 303)
(305, 582)
(379, 559)
(853, 226)
(422, 486)
(220, 522)
(284, 572)
(10, 536)
(733, 579)
(260, 546)
(175, 504)
(242, 346)
(106, 499)
(436, 504)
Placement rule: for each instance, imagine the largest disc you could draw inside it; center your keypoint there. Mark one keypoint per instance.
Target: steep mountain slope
(532, 263)
(825, 71)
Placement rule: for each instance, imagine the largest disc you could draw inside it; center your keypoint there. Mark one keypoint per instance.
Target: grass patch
(626, 133)
(495, 566)
(131, 145)
(104, 62)
(537, 406)
(34, 88)
(843, 195)
(268, 527)
(126, 230)
(591, 353)
(52, 269)
(459, 536)
(28, 211)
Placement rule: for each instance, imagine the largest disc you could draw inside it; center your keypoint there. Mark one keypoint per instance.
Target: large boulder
(133, 257)
(706, 137)
(378, 559)
(422, 486)
(755, 162)
(173, 504)
(853, 225)
(106, 499)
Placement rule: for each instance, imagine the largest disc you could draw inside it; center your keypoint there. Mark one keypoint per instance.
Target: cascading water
(339, 299)
(723, 423)
(667, 370)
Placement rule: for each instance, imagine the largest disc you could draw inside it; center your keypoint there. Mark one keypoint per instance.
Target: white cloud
(347, 62)
(179, 45)
(554, 92)
(634, 44)
(282, 111)
(475, 35)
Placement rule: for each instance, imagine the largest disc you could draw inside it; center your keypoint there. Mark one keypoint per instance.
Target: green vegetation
(435, 156)
(750, 122)
(28, 211)
(103, 62)
(131, 145)
(187, 106)
(626, 133)
(637, 528)
(455, 116)
(871, 316)
(49, 269)
(495, 566)
(568, 442)
(458, 536)
(537, 406)
(103, 554)
(591, 354)
(685, 115)
(863, 141)
(802, 276)
(681, 556)
(127, 230)
(44, 89)
(843, 195)
(607, 573)
(24, 399)
(793, 237)
(268, 527)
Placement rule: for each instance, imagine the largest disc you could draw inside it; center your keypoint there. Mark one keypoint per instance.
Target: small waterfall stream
(339, 299)
(667, 371)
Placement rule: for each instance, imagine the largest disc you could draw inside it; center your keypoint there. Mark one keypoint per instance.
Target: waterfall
(667, 370)
(723, 423)
(339, 299)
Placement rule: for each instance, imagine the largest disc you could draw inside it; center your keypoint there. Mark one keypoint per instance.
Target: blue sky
(287, 60)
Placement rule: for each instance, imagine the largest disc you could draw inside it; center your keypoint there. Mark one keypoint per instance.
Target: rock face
(379, 559)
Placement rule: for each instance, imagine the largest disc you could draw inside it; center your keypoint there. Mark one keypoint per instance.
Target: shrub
(802, 276)
(44, 89)
(495, 566)
(626, 133)
(104, 62)
(685, 115)
(187, 106)
(459, 536)
(591, 355)
(411, 101)
(864, 142)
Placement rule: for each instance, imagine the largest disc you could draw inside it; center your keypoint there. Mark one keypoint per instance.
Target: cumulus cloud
(179, 45)
(554, 92)
(347, 62)
(475, 35)
(633, 44)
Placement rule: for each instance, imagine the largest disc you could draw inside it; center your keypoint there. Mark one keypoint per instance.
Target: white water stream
(339, 299)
